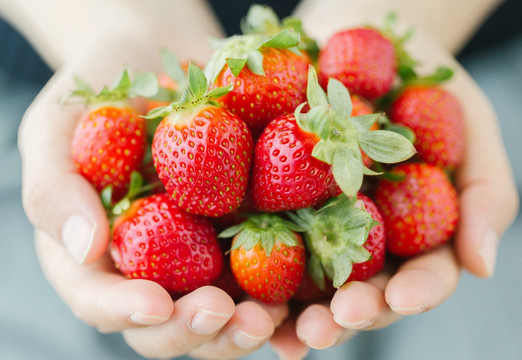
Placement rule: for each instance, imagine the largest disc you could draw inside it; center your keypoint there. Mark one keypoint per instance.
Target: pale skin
(70, 225)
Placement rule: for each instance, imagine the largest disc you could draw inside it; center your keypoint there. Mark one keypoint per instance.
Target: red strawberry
(436, 117)
(362, 59)
(285, 175)
(344, 240)
(267, 257)
(272, 83)
(202, 152)
(157, 241)
(420, 209)
(110, 138)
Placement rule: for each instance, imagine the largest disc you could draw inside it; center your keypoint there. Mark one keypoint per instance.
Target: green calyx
(264, 229)
(137, 187)
(196, 92)
(239, 51)
(124, 88)
(335, 236)
(262, 19)
(343, 136)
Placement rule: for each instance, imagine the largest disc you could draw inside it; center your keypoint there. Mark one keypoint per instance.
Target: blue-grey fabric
(482, 320)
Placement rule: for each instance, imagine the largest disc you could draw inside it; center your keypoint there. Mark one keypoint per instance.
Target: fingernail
(77, 236)
(206, 322)
(413, 310)
(247, 341)
(488, 251)
(359, 325)
(143, 319)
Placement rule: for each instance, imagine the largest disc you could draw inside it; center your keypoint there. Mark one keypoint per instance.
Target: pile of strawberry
(282, 169)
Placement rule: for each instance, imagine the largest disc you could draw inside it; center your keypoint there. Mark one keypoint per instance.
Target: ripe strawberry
(202, 152)
(285, 175)
(155, 240)
(436, 117)
(109, 140)
(267, 257)
(338, 239)
(341, 136)
(362, 59)
(272, 83)
(420, 210)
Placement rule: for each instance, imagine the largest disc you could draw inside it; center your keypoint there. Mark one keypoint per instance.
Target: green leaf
(236, 65)
(123, 82)
(314, 92)
(347, 170)
(342, 268)
(121, 206)
(260, 19)
(386, 146)
(402, 130)
(339, 98)
(325, 150)
(285, 39)
(106, 197)
(135, 184)
(197, 81)
(220, 91)
(160, 112)
(145, 85)
(255, 62)
(363, 123)
(172, 66)
(317, 121)
(231, 231)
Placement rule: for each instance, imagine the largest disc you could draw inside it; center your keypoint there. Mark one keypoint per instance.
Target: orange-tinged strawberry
(109, 140)
(267, 257)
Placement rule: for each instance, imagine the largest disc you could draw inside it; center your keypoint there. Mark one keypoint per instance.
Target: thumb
(56, 198)
(489, 199)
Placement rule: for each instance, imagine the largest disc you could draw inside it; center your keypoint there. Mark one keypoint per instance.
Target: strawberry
(344, 240)
(202, 152)
(361, 58)
(419, 208)
(436, 117)
(285, 175)
(272, 83)
(342, 136)
(267, 257)
(155, 240)
(110, 138)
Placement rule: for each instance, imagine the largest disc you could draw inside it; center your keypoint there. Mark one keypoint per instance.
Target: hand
(488, 205)
(72, 230)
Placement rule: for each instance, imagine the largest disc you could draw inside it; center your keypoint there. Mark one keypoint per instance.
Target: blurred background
(481, 321)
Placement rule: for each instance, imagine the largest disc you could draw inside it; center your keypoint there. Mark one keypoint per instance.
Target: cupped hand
(489, 203)
(72, 237)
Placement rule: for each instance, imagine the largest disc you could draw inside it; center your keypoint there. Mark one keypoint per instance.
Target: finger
(317, 328)
(286, 344)
(203, 326)
(56, 198)
(361, 305)
(423, 283)
(488, 196)
(99, 296)
(249, 328)
(278, 312)
(196, 319)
